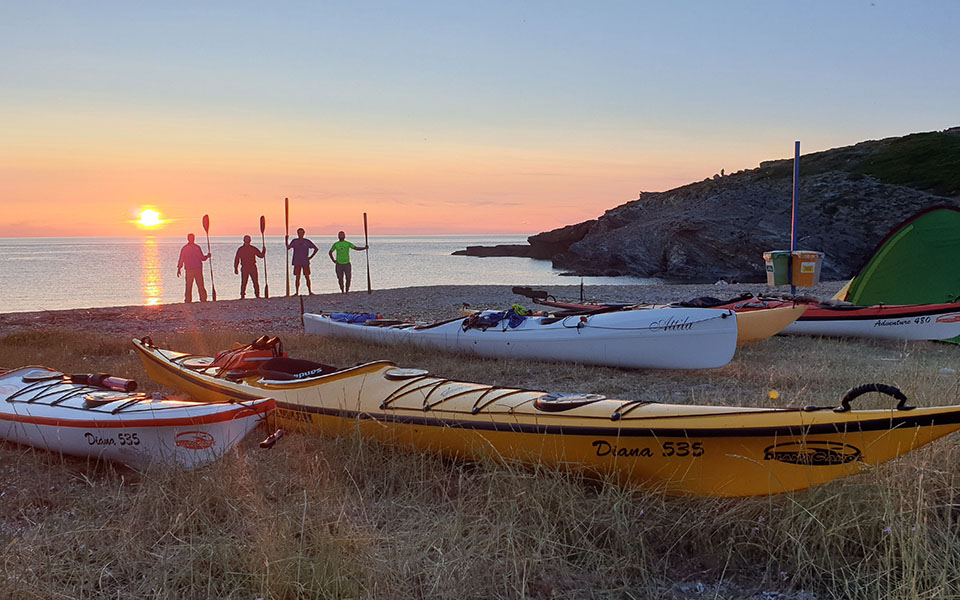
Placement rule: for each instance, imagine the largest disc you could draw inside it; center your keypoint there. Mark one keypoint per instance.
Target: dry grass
(346, 518)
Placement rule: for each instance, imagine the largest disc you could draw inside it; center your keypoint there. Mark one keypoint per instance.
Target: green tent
(917, 263)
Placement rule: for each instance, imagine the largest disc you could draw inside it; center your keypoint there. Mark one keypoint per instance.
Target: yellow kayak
(757, 325)
(681, 449)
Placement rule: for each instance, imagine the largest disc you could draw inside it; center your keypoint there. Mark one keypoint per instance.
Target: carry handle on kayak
(873, 387)
(271, 440)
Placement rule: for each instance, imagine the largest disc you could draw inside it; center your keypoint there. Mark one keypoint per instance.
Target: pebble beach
(281, 315)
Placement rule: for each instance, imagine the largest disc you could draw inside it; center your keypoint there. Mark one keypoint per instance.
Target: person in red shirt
(191, 258)
(246, 259)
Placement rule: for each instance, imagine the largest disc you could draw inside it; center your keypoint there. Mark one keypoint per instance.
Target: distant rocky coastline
(521, 250)
(850, 198)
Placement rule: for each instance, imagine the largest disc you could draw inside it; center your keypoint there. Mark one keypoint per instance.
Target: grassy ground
(345, 518)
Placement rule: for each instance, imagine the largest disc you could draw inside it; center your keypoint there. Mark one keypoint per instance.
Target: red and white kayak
(44, 408)
(896, 322)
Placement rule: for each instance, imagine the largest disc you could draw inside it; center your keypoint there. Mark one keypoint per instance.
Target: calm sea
(62, 273)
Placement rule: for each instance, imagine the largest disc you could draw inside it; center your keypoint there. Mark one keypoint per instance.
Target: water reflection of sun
(150, 273)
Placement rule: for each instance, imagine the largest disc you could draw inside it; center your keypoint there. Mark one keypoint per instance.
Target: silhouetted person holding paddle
(344, 270)
(246, 259)
(301, 258)
(191, 258)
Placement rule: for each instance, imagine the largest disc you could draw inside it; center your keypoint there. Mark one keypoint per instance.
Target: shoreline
(281, 315)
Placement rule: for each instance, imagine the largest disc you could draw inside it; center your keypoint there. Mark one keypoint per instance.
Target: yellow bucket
(806, 268)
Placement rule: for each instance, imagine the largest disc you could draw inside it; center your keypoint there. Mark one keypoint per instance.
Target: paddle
(531, 293)
(43, 376)
(286, 238)
(366, 242)
(118, 384)
(266, 278)
(206, 230)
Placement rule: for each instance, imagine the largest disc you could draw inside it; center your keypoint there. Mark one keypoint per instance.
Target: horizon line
(324, 233)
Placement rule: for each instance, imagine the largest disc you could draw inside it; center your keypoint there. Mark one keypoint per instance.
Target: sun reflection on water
(150, 274)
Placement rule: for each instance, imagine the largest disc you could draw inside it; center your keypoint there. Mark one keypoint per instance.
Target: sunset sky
(438, 117)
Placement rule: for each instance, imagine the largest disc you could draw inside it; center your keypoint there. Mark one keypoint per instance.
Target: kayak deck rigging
(47, 390)
(429, 387)
(60, 392)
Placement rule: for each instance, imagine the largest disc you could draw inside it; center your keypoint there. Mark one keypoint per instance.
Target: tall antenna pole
(793, 216)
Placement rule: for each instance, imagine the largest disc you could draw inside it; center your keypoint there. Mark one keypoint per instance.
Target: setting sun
(150, 218)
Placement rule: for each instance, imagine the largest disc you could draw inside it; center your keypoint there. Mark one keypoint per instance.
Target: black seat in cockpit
(283, 368)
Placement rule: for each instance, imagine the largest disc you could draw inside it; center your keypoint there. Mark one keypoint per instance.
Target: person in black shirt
(246, 259)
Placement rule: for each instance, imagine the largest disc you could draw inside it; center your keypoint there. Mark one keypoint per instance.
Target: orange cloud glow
(85, 182)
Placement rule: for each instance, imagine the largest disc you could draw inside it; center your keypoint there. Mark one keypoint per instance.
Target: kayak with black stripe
(681, 449)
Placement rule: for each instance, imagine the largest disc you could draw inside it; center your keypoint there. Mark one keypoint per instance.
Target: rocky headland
(850, 198)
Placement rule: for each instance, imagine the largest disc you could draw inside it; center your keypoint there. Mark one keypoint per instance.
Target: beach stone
(281, 315)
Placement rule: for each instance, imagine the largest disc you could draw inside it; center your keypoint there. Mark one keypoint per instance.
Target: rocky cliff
(850, 198)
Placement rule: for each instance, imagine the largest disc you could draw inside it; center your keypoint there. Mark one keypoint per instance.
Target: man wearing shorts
(301, 258)
(342, 247)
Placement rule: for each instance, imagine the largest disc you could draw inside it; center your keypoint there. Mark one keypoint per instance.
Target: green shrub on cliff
(929, 162)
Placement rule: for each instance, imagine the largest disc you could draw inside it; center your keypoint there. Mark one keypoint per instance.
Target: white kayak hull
(666, 338)
(133, 429)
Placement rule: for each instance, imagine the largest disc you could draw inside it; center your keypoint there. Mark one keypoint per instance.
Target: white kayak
(43, 408)
(666, 338)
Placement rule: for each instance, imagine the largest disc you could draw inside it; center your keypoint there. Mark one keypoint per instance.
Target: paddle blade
(530, 293)
(42, 375)
(206, 222)
(263, 224)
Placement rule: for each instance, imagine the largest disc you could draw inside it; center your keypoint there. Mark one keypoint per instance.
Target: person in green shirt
(342, 247)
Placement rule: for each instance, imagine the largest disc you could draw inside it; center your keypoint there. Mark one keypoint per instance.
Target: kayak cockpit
(284, 368)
